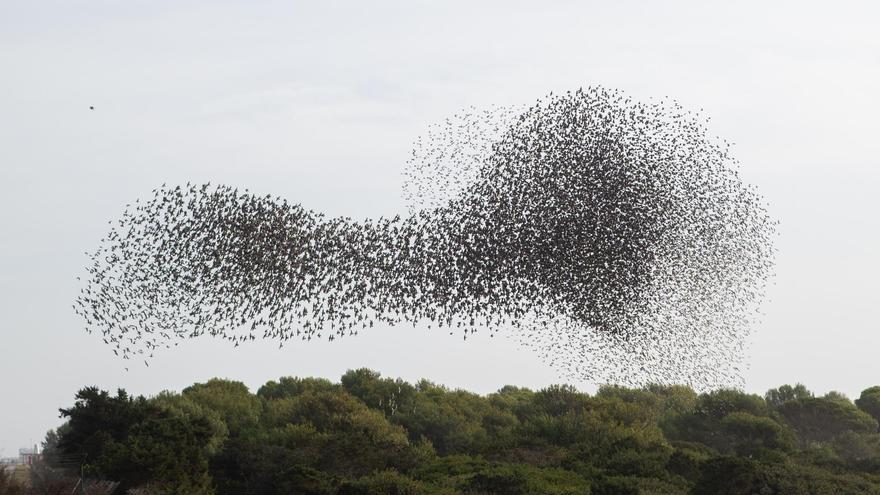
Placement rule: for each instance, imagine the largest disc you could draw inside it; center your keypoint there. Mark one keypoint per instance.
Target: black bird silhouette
(613, 237)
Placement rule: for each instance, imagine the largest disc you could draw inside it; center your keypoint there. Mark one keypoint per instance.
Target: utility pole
(81, 482)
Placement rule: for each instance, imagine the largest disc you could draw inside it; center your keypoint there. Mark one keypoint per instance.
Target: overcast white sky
(320, 103)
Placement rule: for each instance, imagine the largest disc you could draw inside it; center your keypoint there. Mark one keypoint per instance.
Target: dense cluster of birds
(613, 236)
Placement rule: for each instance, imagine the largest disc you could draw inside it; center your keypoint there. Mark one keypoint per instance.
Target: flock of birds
(615, 237)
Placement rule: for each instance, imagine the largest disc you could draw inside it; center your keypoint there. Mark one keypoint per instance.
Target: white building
(26, 457)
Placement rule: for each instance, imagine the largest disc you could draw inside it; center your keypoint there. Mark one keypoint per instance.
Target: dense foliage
(374, 435)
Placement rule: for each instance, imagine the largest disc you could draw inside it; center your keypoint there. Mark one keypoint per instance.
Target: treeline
(374, 435)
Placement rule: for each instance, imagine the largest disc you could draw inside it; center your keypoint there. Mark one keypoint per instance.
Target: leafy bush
(374, 435)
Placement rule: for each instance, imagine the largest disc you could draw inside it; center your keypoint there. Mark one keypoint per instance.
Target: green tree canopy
(370, 434)
(869, 401)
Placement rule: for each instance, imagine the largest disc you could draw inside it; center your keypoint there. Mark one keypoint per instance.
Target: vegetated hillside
(374, 435)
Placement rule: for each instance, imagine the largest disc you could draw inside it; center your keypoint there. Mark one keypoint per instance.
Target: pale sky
(319, 102)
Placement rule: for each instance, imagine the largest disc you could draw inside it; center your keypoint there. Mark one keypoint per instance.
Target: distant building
(28, 456)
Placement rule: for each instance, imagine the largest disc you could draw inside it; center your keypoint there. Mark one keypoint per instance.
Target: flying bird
(613, 237)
